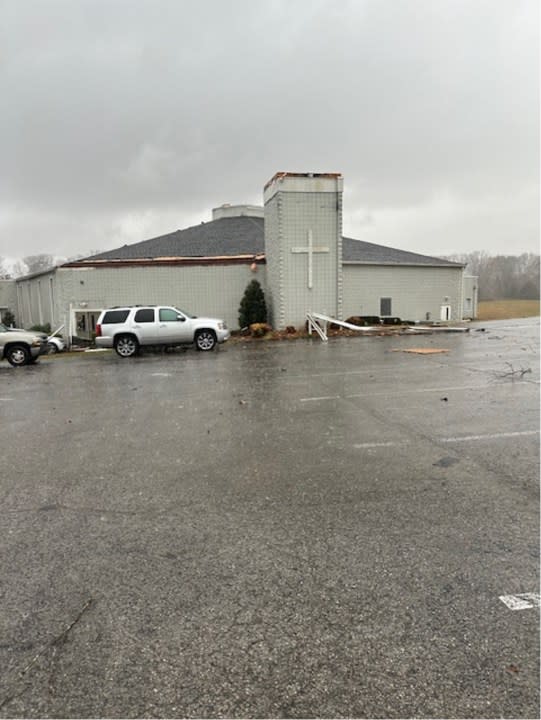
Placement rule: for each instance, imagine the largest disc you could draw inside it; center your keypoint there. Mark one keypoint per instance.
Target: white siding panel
(8, 297)
(214, 290)
(34, 301)
(417, 292)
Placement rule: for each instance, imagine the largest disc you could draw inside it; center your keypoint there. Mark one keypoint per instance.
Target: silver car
(21, 347)
(126, 329)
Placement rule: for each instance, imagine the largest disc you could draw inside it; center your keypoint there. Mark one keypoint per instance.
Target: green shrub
(42, 328)
(253, 308)
(8, 318)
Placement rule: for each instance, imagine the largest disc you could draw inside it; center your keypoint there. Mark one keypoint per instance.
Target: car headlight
(222, 326)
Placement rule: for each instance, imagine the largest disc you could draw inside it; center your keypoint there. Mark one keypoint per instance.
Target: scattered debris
(259, 329)
(446, 462)
(421, 351)
(444, 399)
(512, 669)
(418, 329)
(512, 373)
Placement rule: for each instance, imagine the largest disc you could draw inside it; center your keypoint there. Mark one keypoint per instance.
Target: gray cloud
(126, 119)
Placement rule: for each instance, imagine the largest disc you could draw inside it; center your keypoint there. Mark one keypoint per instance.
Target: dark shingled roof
(226, 236)
(230, 237)
(359, 251)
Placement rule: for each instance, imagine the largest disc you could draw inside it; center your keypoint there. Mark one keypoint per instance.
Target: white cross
(310, 249)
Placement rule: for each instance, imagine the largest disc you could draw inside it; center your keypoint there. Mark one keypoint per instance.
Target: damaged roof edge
(405, 263)
(194, 260)
(281, 175)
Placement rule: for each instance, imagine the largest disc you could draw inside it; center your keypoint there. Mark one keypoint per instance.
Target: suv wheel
(126, 345)
(205, 340)
(18, 355)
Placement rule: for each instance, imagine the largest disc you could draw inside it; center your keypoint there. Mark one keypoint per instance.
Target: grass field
(507, 309)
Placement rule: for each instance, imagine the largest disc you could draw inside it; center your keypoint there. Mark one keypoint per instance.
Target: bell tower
(303, 246)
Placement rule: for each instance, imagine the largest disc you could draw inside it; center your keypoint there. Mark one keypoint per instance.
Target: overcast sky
(123, 120)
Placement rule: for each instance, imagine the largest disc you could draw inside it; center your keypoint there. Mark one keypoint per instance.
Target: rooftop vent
(230, 211)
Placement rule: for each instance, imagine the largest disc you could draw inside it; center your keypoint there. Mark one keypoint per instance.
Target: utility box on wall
(303, 246)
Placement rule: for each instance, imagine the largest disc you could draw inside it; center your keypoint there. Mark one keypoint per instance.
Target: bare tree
(504, 276)
(37, 263)
(11, 269)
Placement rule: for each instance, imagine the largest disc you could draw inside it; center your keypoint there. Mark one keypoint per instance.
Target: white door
(445, 312)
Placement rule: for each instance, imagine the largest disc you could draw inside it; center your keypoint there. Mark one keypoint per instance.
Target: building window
(385, 307)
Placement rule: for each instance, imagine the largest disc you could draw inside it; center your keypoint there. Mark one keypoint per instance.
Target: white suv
(128, 328)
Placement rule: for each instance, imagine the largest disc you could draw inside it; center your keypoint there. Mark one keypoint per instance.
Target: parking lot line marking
(410, 392)
(324, 397)
(489, 436)
(391, 443)
(466, 438)
(523, 601)
(425, 390)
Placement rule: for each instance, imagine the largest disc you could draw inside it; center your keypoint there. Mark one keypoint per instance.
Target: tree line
(35, 263)
(503, 277)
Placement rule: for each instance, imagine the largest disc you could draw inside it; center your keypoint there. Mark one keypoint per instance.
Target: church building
(293, 246)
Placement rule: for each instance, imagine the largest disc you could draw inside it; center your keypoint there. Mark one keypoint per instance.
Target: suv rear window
(115, 316)
(144, 315)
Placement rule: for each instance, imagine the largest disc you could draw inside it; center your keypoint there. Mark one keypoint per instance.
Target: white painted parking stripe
(489, 436)
(523, 601)
(466, 438)
(425, 390)
(360, 446)
(410, 392)
(324, 397)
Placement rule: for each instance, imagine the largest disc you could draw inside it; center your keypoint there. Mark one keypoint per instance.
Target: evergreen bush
(8, 318)
(46, 328)
(253, 308)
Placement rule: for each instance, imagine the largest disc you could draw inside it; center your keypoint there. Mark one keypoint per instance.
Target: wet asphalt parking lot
(275, 529)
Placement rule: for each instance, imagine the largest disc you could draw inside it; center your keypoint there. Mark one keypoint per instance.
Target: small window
(385, 306)
(144, 315)
(115, 316)
(168, 315)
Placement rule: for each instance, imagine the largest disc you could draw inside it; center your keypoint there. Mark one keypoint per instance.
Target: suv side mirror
(181, 318)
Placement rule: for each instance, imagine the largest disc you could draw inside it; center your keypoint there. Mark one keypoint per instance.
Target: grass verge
(507, 309)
